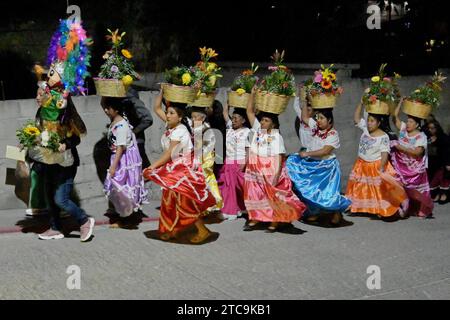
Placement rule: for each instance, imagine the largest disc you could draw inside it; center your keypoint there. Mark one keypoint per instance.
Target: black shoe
(271, 230)
(249, 227)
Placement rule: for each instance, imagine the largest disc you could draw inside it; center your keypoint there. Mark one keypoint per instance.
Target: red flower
(373, 99)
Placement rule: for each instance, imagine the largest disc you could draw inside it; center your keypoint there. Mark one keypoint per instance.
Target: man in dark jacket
(141, 119)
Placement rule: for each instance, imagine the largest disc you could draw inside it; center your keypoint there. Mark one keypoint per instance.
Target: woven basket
(179, 94)
(238, 100)
(204, 100)
(416, 109)
(379, 107)
(110, 88)
(270, 102)
(323, 101)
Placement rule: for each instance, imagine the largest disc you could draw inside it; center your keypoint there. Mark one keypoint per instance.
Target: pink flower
(387, 79)
(373, 99)
(318, 77)
(273, 68)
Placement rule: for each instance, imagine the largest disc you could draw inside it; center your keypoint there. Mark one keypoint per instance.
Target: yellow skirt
(374, 192)
(211, 182)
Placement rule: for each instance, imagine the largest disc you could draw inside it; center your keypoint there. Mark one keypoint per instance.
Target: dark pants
(145, 161)
(58, 187)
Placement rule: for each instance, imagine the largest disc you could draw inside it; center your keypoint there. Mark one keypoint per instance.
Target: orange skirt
(374, 192)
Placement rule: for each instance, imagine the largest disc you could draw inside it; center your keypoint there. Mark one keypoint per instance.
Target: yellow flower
(212, 53)
(332, 76)
(32, 131)
(211, 67)
(186, 78)
(127, 54)
(376, 79)
(397, 76)
(417, 91)
(203, 51)
(240, 91)
(212, 80)
(114, 37)
(127, 80)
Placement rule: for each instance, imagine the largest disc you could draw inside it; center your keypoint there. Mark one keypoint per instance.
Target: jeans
(58, 188)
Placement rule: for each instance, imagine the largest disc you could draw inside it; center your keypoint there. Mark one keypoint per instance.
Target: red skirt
(185, 193)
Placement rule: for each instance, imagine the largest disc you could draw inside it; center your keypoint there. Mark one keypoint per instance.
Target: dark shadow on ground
(324, 221)
(183, 237)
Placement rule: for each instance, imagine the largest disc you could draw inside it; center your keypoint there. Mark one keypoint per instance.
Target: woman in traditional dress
(315, 173)
(124, 185)
(410, 160)
(231, 182)
(439, 161)
(372, 187)
(204, 152)
(268, 192)
(185, 194)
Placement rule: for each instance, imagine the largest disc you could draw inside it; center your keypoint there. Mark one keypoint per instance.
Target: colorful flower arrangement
(382, 88)
(118, 63)
(30, 136)
(70, 46)
(429, 94)
(324, 82)
(203, 76)
(245, 81)
(281, 81)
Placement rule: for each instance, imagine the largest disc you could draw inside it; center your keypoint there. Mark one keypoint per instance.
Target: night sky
(166, 33)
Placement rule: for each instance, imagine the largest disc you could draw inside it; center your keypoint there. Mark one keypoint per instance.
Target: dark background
(164, 33)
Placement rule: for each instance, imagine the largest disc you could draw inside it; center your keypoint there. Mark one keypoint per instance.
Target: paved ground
(311, 263)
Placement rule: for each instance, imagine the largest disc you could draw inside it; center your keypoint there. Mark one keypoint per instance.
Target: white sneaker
(87, 229)
(51, 235)
(35, 212)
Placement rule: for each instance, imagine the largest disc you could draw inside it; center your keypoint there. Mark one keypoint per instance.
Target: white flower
(45, 137)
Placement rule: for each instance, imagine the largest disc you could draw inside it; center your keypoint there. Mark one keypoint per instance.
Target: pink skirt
(266, 202)
(231, 186)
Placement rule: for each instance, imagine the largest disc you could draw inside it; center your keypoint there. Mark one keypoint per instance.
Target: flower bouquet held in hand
(323, 90)
(383, 94)
(276, 90)
(117, 73)
(242, 87)
(206, 76)
(422, 101)
(45, 143)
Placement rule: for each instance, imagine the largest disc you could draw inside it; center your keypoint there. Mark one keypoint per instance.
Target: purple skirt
(126, 189)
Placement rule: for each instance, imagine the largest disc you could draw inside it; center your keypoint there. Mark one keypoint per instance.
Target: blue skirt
(318, 184)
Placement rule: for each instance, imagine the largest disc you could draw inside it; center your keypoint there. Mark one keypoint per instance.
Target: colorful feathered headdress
(69, 55)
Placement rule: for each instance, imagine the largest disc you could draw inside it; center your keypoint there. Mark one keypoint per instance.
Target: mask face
(53, 77)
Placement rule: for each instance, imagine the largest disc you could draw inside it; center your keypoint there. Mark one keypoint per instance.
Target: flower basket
(416, 109)
(204, 100)
(110, 88)
(179, 94)
(323, 101)
(45, 155)
(378, 107)
(270, 102)
(237, 100)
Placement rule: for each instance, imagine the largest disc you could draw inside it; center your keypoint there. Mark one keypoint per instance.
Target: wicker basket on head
(379, 107)
(416, 109)
(271, 102)
(204, 100)
(237, 100)
(179, 94)
(110, 88)
(323, 101)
